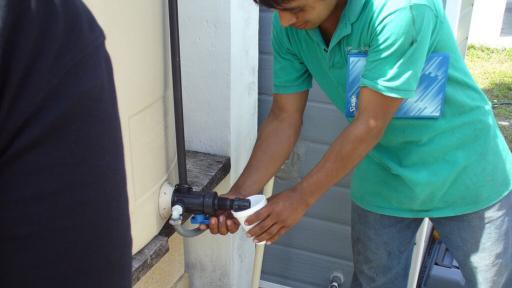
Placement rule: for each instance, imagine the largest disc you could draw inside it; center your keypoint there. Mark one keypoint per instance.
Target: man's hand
(282, 212)
(276, 138)
(224, 222)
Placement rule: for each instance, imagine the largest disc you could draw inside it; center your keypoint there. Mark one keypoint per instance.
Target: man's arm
(285, 209)
(375, 112)
(276, 138)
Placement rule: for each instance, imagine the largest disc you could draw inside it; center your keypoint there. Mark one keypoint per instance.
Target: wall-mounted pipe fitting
(165, 200)
(208, 203)
(174, 202)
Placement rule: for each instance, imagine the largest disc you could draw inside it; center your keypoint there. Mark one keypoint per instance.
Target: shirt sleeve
(398, 50)
(289, 73)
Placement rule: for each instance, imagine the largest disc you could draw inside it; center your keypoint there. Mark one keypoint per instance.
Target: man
(456, 169)
(63, 203)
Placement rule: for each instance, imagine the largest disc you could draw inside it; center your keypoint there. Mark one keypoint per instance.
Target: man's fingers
(223, 230)
(258, 216)
(276, 236)
(268, 234)
(261, 227)
(235, 221)
(214, 229)
(221, 224)
(232, 226)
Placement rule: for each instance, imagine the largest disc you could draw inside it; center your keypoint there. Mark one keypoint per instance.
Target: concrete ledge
(205, 172)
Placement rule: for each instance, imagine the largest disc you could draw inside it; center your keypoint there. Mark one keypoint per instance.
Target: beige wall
(137, 40)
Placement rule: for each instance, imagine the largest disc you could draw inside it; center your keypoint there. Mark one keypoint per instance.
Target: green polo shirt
(456, 164)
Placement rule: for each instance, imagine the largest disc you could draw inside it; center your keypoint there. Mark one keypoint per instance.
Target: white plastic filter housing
(257, 202)
(138, 43)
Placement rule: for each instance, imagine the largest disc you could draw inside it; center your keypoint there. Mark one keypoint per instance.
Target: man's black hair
(273, 4)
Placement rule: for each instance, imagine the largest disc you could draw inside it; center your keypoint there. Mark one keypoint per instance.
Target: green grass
(492, 70)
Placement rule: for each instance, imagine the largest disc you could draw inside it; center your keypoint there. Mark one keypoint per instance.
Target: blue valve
(200, 219)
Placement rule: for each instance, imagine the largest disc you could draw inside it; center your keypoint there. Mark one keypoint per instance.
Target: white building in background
(491, 23)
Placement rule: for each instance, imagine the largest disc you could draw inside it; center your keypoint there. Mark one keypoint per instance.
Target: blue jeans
(480, 242)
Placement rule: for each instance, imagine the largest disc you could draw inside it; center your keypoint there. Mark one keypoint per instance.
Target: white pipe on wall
(258, 256)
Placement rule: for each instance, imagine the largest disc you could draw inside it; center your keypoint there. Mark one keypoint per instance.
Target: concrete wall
(219, 53)
(219, 261)
(205, 54)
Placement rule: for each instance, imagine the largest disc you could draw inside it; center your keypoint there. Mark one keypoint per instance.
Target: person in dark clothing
(64, 218)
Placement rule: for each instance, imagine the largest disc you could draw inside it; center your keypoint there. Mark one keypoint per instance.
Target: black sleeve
(64, 218)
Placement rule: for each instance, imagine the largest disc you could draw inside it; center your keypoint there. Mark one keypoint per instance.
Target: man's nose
(286, 18)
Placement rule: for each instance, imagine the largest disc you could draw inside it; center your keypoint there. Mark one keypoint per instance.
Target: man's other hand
(282, 212)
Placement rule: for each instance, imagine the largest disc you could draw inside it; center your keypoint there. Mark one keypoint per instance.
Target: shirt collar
(350, 14)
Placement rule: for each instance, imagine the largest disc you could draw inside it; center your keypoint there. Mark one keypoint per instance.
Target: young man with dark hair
(455, 169)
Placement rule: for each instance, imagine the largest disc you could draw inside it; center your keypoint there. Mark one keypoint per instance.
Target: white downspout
(258, 255)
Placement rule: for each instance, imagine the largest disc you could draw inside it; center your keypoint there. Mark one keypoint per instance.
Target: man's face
(305, 14)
